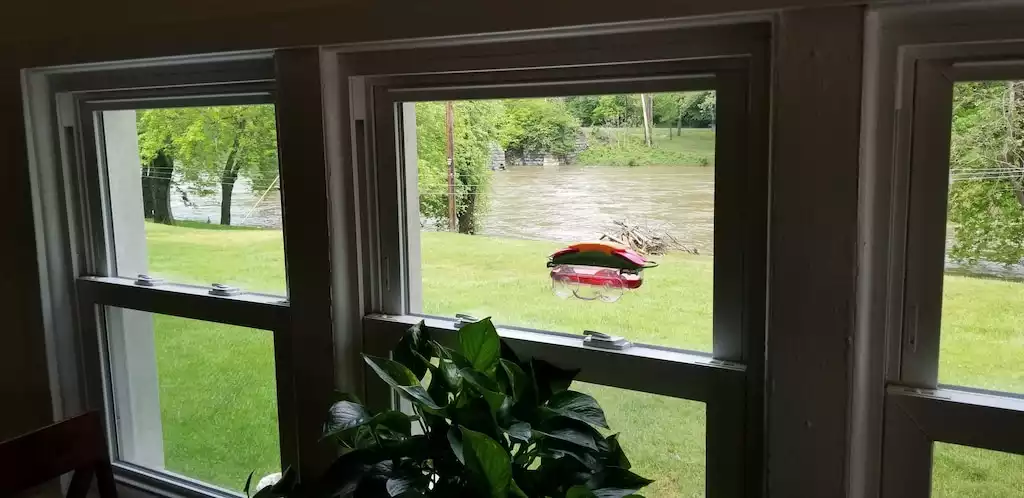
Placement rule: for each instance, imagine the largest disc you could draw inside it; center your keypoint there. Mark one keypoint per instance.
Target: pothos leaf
(487, 462)
(576, 405)
(345, 415)
(414, 349)
(403, 380)
(480, 344)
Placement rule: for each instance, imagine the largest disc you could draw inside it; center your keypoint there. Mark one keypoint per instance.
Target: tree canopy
(208, 148)
(986, 194)
(476, 128)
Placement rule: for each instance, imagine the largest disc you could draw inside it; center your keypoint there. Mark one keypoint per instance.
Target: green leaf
(487, 388)
(518, 381)
(579, 406)
(520, 431)
(248, 482)
(549, 379)
(480, 344)
(614, 455)
(571, 431)
(455, 441)
(614, 482)
(488, 462)
(516, 491)
(405, 485)
(404, 381)
(345, 415)
(414, 349)
(394, 420)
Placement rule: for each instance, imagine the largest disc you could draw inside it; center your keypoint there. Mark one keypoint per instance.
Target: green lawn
(217, 382)
(694, 147)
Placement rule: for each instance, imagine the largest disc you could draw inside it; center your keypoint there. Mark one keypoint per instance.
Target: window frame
(371, 80)
(76, 245)
(918, 410)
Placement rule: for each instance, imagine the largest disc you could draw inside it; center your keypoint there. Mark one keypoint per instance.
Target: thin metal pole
(449, 118)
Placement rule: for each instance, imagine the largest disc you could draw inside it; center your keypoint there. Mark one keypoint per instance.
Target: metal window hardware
(147, 280)
(462, 319)
(224, 290)
(604, 341)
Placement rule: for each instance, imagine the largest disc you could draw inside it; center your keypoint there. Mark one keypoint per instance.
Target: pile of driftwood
(645, 239)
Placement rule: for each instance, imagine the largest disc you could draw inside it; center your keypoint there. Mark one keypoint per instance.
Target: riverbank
(217, 382)
(625, 147)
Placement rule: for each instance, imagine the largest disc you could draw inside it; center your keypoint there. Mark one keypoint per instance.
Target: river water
(575, 203)
(562, 203)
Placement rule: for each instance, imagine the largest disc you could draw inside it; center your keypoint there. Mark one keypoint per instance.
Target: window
(534, 176)
(205, 207)
(543, 159)
(165, 220)
(961, 471)
(953, 406)
(215, 389)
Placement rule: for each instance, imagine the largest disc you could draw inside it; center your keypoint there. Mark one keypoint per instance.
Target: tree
(537, 126)
(582, 108)
(986, 192)
(209, 146)
(476, 130)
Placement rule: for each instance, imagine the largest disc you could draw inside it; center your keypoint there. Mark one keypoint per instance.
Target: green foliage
(491, 425)
(476, 128)
(538, 125)
(697, 109)
(202, 140)
(986, 195)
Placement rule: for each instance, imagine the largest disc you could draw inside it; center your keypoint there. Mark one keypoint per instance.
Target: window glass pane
(663, 437)
(194, 398)
(965, 472)
(532, 177)
(194, 194)
(982, 336)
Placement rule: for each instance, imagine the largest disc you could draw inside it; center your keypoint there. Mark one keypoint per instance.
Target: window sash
(731, 58)
(83, 276)
(918, 411)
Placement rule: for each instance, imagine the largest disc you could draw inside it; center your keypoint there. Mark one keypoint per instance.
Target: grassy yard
(693, 147)
(217, 382)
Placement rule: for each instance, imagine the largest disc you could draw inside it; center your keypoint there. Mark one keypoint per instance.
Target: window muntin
(533, 176)
(216, 392)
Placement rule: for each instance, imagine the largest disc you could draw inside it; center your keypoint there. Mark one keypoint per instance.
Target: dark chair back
(75, 445)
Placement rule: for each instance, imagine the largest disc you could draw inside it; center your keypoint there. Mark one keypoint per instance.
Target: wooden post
(449, 124)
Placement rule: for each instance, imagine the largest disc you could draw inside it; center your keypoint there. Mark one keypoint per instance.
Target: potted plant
(484, 423)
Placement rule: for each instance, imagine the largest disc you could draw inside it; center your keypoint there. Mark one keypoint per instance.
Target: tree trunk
(467, 222)
(679, 124)
(161, 170)
(227, 185)
(645, 109)
(147, 191)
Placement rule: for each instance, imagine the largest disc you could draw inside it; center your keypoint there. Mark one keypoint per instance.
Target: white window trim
(76, 250)
(900, 409)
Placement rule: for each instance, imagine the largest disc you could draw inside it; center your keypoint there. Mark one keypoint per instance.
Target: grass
(625, 147)
(217, 382)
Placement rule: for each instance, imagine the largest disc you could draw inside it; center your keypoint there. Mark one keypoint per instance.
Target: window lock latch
(463, 319)
(224, 290)
(604, 341)
(148, 280)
